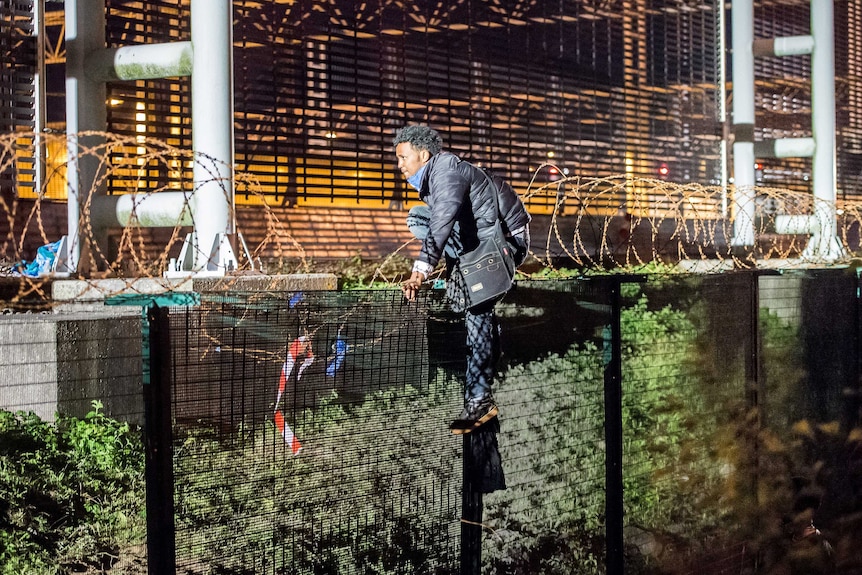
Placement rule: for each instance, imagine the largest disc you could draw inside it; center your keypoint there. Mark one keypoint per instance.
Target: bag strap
(495, 192)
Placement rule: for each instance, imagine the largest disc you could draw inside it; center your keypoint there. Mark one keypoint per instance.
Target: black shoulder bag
(489, 269)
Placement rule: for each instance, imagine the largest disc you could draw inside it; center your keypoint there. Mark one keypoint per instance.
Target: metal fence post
(756, 378)
(853, 409)
(158, 432)
(161, 540)
(471, 513)
(613, 377)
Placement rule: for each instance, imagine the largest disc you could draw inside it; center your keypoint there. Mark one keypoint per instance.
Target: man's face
(410, 159)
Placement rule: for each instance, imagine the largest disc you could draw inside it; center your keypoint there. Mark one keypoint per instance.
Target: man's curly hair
(420, 137)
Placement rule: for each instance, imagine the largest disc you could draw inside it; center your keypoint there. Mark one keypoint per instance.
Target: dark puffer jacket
(457, 191)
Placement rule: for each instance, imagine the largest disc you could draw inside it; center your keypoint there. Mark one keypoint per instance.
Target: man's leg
(483, 339)
(483, 350)
(417, 222)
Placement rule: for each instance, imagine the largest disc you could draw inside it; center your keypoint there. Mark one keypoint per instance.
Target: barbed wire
(619, 221)
(623, 221)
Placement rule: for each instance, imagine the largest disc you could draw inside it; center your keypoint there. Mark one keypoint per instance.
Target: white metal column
(742, 29)
(212, 98)
(823, 177)
(208, 59)
(85, 111)
(821, 225)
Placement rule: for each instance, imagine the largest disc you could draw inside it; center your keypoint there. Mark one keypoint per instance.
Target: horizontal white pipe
(794, 45)
(785, 148)
(785, 46)
(794, 147)
(141, 62)
(797, 224)
(159, 210)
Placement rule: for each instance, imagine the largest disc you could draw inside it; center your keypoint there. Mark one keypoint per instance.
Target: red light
(663, 170)
(554, 171)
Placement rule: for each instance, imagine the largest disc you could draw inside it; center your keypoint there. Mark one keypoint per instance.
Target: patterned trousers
(483, 351)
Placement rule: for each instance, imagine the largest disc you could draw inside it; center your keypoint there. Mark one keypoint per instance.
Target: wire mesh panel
(310, 433)
(781, 367)
(310, 436)
(310, 429)
(809, 352)
(687, 346)
(809, 415)
(550, 395)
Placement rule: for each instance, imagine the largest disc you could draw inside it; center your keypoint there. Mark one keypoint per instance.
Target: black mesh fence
(550, 393)
(309, 436)
(687, 346)
(310, 433)
(647, 425)
(675, 424)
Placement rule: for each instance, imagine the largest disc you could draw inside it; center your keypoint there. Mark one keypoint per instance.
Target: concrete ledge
(60, 363)
(790, 264)
(99, 290)
(71, 296)
(706, 266)
(275, 283)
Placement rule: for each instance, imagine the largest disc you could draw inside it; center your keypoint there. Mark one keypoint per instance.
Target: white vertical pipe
(39, 96)
(823, 125)
(212, 124)
(85, 110)
(742, 26)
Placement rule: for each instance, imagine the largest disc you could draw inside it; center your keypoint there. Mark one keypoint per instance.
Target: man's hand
(412, 285)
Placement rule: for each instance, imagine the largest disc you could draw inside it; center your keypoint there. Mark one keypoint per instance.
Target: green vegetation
(71, 494)
(359, 498)
(551, 523)
(549, 519)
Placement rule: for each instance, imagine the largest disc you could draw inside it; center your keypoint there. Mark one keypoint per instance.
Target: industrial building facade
(535, 89)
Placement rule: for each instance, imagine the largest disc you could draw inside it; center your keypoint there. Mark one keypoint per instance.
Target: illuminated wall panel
(597, 87)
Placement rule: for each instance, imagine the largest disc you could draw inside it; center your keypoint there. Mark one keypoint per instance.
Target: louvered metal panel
(598, 87)
(17, 88)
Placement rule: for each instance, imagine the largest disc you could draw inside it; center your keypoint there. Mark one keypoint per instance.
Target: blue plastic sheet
(44, 262)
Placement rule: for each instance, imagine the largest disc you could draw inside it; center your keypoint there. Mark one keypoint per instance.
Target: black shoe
(475, 413)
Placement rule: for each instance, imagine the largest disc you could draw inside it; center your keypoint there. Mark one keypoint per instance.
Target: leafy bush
(553, 446)
(549, 520)
(71, 493)
(669, 420)
(244, 504)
